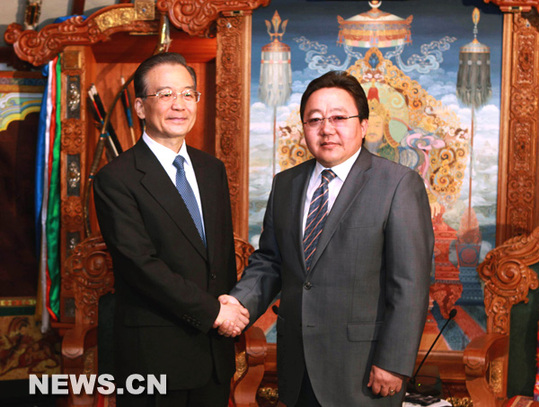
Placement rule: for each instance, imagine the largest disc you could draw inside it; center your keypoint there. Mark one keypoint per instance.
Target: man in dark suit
(348, 242)
(164, 212)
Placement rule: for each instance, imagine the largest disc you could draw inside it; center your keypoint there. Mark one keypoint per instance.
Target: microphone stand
(412, 381)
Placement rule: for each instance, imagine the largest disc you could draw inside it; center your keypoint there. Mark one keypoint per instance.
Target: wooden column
(232, 108)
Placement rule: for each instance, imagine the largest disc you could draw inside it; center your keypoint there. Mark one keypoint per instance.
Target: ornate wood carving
(242, 250)
(515, 5)
(518, 201)
(508, 278)
(196, 16)
(232, 108)
(38, 47)
(72, 212)
(73, 137)
(89, 274)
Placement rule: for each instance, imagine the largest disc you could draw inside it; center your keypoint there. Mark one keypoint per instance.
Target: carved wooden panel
(89, 275)
(232, 111)
(518, 201)
(508, 278)
(515, 5)
(196, 16)
(38, 47)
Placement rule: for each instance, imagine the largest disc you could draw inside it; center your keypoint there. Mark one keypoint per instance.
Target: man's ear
(364, 125)
(139, 108)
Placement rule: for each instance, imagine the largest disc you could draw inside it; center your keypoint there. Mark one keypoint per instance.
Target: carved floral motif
(243, 250)
(508, 278)
(72, 213)
(230, 112)
(518, 146)
(195, 16)
(89, 272)
(38, 47)
(72, 136)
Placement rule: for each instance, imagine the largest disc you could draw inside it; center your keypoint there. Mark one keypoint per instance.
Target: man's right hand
(232, 318)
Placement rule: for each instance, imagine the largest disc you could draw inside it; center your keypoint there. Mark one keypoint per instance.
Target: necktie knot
(178, 163)
(327, 176)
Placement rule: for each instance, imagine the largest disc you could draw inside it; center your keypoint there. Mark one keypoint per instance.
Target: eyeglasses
(167, 95)
(335, 121)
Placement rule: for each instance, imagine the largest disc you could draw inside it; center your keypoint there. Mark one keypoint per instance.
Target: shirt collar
(341, 170)
(164, 154)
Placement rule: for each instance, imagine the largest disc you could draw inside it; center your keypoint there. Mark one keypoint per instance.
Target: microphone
(427, 387)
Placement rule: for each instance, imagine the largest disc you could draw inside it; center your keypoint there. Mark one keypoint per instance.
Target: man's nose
(327, 127)
(178, 102)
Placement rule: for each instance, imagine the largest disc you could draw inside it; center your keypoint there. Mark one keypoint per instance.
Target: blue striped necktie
(188, 195)
(318, 212)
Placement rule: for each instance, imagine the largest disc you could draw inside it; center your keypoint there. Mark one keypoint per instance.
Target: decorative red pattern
(521, 401)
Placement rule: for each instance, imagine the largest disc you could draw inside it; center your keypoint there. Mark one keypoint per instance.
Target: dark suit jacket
(166, 281)
(365, 299)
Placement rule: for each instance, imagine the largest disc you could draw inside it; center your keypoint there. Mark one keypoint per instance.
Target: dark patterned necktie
(318, 212)
(188, 196)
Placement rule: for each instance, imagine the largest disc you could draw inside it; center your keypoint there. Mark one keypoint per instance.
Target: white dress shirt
(341, 171)
(166, 157)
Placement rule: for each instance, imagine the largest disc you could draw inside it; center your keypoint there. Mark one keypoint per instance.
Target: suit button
(307, 285)
(213, 276)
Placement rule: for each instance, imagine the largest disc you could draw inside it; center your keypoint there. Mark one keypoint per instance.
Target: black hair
(338, 79)
(172, 58)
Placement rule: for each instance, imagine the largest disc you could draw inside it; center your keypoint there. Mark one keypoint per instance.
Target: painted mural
(431, 72)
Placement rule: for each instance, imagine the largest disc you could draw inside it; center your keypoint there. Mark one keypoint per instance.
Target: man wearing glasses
(164, 212)
(348, 242)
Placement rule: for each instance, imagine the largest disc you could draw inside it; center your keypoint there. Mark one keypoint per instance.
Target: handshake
(232, 318)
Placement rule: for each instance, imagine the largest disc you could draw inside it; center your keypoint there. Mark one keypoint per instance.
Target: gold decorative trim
(115, 18)
(196, 16)
(241, 365)
(89, 362)
(460, 402)
(144, 9)
(71, 60)
(271, 394)
(496, 372)
(40, 47)
(18, 302)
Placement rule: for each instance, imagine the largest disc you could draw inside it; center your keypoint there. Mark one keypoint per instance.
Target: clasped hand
(232, 318)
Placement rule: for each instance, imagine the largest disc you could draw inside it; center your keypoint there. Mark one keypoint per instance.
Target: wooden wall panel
(518, 200)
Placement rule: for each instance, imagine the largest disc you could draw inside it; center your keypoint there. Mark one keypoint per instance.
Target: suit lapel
(351, 188)
(156, 181)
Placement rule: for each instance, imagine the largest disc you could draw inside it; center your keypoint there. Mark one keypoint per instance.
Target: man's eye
(315, 120)
(338, 119)
(165, 95)
(188, 94)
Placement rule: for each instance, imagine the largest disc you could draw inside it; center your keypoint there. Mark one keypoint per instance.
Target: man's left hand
(384, 383)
